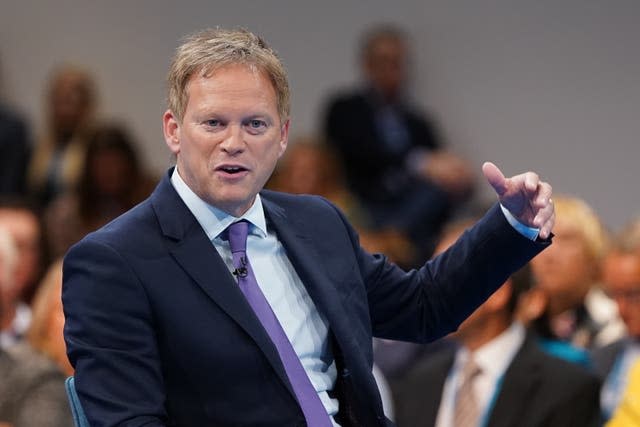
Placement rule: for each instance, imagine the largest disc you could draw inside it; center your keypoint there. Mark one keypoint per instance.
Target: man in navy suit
(157, 328)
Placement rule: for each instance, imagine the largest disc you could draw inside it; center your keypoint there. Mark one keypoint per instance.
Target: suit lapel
(193, 251)
(304, 257)
(520, 382)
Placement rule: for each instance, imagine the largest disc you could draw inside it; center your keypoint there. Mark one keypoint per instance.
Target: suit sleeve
(109, 332)
(426, 304)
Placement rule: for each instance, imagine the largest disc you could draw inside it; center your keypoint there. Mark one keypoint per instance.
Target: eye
(257, 124)
(212, 123)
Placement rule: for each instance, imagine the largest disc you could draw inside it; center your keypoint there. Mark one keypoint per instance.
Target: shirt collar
(495, 356)
(213, 220)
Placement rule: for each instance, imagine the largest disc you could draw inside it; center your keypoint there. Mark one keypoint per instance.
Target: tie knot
(237, 233)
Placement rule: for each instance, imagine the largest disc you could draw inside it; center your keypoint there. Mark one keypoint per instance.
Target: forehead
(568, 229)
(233, 80)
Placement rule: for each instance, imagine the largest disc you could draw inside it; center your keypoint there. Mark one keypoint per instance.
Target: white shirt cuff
(528, 232)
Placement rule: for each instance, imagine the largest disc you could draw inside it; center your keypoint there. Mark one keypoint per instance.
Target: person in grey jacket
(31, 386)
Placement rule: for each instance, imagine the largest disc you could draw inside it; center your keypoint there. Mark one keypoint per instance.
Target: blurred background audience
(22, 222)
(311, 167)
(578, 315)
(45, 333)
(498, 375)
(15, 153)
(621, 279)
(57, 158)
(394, 160)
(112, 180)
(32, 387)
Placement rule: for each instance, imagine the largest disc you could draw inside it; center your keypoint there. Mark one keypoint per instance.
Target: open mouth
(232, 170)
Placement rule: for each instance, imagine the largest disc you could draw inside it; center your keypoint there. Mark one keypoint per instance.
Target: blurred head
(111, 166)
(384, 55)
(21, 221)
(309, 167)
(568, 269)
(47, 321)
(71, 100)
(206, 51)
(621, 276)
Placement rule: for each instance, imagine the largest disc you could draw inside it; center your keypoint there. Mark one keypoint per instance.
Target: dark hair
(381, 32)
(106, 137)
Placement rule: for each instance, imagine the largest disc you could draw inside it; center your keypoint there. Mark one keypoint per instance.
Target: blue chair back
(79, 418)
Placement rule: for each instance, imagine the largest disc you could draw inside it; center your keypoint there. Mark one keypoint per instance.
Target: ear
(171, 130)
(284, 137)
(531, 305)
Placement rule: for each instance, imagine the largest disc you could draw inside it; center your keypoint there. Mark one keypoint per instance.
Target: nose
(233, 142)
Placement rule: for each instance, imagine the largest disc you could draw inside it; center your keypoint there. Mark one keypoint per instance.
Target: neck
(489, 330)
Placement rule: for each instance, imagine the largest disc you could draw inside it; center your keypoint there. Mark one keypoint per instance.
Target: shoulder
(431, 368)
(559, 374)
(304, 209)
(28, 367)
(128, 228)
(603, 358)
(298, 204)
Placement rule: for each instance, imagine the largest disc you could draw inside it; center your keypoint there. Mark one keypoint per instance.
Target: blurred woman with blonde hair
(47, 322)
(578, 312)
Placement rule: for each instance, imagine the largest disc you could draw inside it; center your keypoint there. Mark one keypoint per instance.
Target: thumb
(495, 177)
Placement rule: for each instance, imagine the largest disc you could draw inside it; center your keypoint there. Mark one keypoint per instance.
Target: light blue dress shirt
(303, 324)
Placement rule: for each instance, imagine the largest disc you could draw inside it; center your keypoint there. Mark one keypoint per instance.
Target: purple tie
(314, 412)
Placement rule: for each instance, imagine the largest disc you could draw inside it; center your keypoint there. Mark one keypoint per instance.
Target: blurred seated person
(45, 334)
(21, 221)
(31, 387)
(621, 280)
(310, 167)
(578, 312)
(497, 376)
(112, 181)
(57, 159)
(393, 159)
(15, 152)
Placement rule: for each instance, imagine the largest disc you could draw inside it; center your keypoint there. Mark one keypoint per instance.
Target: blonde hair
(206, 51)
(629, 238)
(580, 215)
(44, 303)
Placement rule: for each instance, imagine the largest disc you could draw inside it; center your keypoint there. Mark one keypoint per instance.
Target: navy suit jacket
(160, 334)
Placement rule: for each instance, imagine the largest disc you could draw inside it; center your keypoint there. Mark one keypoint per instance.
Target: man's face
(621, 277)
(230, 137)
